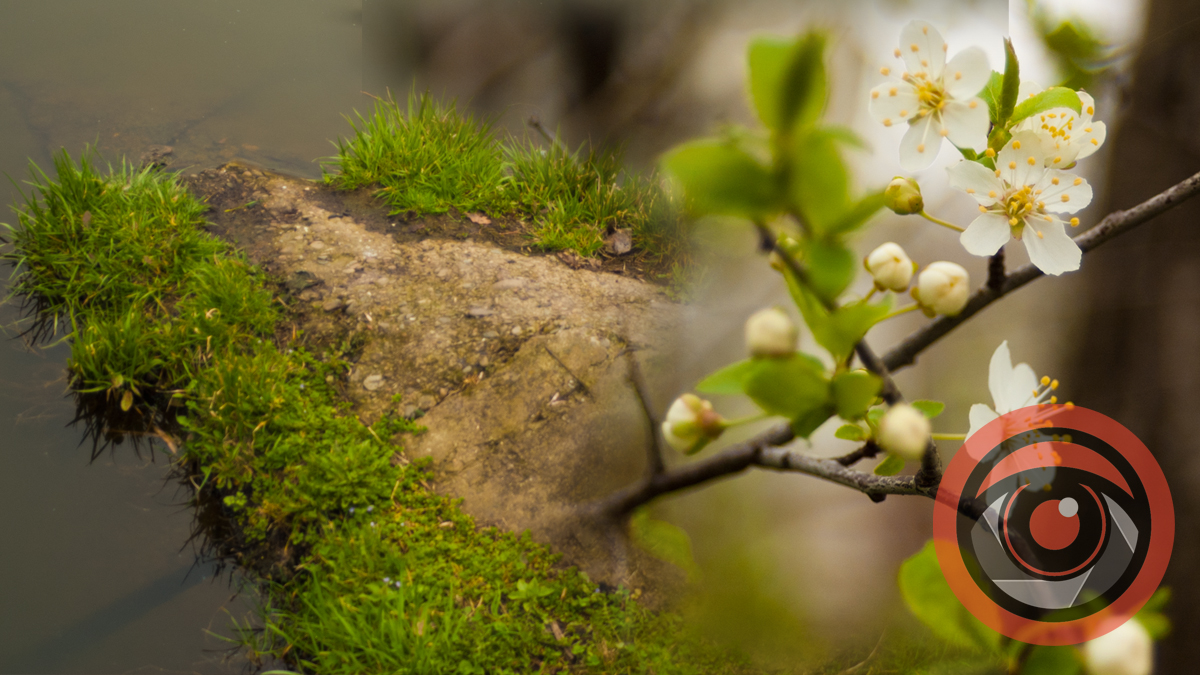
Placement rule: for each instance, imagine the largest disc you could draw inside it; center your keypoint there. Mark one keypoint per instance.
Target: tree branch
(1116, 223)
(654, 453)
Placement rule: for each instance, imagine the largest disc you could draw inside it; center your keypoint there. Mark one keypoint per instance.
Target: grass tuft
(430, 158)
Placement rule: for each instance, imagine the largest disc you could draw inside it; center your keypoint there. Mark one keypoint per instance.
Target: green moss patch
(429, 158)
(363, 568)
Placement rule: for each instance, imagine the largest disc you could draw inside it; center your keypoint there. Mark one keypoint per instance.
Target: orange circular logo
(1053, 524)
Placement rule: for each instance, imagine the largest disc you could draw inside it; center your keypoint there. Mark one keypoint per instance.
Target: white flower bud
(691, 423)
(942, 288)
(903, 195)
(890, 266)
(1127, 650)
(769, 332)
(904, 431)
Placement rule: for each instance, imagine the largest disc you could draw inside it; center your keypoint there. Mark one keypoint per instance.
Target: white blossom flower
(1012, 388)
(691, 423)
(1066, 136)
(904, 431)
(942, 288)
(1126, 650)
(1022, 198)
(890, 266)
(936, 98)
(769, 332)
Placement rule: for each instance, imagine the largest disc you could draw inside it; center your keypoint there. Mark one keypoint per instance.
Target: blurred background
(794, 570)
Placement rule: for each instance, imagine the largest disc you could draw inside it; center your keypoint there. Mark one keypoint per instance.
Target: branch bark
(1116, 223)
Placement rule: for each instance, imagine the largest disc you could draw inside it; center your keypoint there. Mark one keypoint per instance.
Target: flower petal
(1063, 192)
(980, 415)
(1020, 162)
(1050, 248)
(966, 73)
(1089, 138)
(1021, 387)
(966, 123)
(894, 102)
(1087, 106)
(923, 49)
(986, 234)
(1028, 89)
(999, 376)
(920, 144)
(976, 180)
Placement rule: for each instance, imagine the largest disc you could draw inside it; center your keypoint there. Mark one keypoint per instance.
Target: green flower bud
(903, 195)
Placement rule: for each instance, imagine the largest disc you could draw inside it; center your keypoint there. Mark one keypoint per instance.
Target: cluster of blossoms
(1029, 190)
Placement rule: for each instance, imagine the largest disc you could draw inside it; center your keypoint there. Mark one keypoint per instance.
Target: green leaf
(1012, 83)
(890, 466)
(819, 183)
(929, 597)
(991, 93)
(663, 540)
(729, 380)
(839, 331)
(876, 414)
(787, 80)
(854, 392)
(1052, 661)
(850, 432)
(127, 401)
(791, 387)
(804, 424)
(720, 178)
(931, 408)
(1158, 601)
(1054, 97)
(858, 213)
(831, 267)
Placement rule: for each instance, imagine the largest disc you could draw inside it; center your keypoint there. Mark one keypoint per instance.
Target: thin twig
(654, 451)
(1116, 223)
(995, 279)
(867, 451)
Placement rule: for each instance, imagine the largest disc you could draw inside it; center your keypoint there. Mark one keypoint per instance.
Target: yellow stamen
(1039, 234)
(1091, 110)
(1031, 161)
(915, 48)
(897, 52)
(924, 30)
(990, 152)
(887, 122)
(997, 173)
(1066, 198)
(1012, 221)
(958, 74)
(1095, 142)
(944, 131)
(1045, 380)
(970, 191)
(1054, 399)
(874, 94)
(892, 91)
(1054, 384)
(1057, 160)
(982, 208)
(972, 104)
(1012, 165)
(904, 113)
(1074, 222)
(1078, 181)
(921, 148)
(992, 194)
(885, 71)
(1054, 181)
(925, 62)
(1016, 145)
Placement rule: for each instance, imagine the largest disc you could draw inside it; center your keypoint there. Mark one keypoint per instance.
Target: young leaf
(854, 392)
(787, 80)
(850, 432)
(831, 267)
(1012, 83)
(819, 183)
(790, 387)
(127, 401)
(729, 380)
(720, 178)
(806, 423)
(1052, 661)
(929, 597)
(931, 408)
(875, 414)
(1054, 97)
(840, 331)
(663, 540)
(991, 93)
(890, 466)
(858, 213)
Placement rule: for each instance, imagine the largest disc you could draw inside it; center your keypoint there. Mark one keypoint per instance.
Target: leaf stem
(898, 312)
(939, 221)
(948, 437)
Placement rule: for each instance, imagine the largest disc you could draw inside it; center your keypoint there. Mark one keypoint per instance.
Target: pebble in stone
(317, 243)
(479, 312)
(332, 304)
(505, 284)
(373, 382)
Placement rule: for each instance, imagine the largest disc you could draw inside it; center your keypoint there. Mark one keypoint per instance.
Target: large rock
(518, 362)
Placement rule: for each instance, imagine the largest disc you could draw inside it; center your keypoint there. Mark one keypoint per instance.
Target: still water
(96, 574)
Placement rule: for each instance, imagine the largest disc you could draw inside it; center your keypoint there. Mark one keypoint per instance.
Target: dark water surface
(95, 572)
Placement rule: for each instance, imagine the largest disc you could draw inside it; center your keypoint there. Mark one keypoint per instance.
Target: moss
(363, 568)
(430, 158)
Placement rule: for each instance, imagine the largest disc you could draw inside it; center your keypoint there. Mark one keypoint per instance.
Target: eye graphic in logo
(1053, 524)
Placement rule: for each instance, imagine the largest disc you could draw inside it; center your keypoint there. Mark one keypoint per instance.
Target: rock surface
(518, 363)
